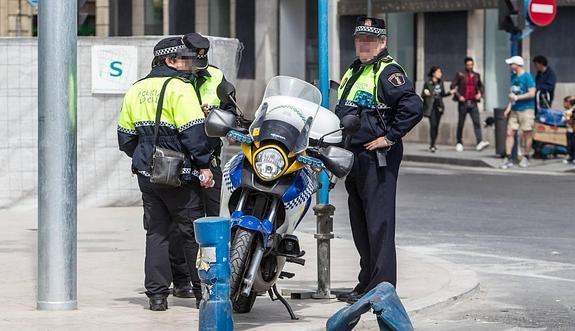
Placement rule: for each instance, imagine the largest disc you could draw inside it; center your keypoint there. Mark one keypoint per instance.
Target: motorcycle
(268, 186)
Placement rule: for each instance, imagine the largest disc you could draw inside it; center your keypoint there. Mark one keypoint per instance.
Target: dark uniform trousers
(371, 204)
(164, 207)
(211, 207)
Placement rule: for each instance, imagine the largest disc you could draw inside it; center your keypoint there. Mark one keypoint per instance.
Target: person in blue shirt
(520, 111)
(545, 81)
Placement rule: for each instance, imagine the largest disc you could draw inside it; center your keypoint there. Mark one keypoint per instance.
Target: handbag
(428, 101)
(166, 166)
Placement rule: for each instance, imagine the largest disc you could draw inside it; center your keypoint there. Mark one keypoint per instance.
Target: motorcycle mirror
(350, 124)
(219, 123)
(337, 160)
(225, 92)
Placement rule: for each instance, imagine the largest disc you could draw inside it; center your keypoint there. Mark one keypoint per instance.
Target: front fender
(249, 222)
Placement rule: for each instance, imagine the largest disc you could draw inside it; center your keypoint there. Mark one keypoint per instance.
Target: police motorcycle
(268, 186)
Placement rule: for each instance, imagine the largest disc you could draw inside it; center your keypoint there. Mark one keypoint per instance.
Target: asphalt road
(516, 231)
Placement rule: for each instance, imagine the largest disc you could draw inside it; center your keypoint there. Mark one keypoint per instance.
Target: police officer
(205, 79)
(181, 129)
(376, 89)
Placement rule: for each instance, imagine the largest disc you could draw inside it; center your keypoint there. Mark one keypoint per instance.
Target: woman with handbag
(161, 127)
(433, 107)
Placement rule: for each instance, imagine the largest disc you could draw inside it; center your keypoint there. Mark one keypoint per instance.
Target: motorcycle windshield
(287, 112)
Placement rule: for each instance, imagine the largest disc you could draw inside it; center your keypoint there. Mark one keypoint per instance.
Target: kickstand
(282, 300)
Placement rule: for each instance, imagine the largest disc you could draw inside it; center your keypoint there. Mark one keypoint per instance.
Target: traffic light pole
(515, 38)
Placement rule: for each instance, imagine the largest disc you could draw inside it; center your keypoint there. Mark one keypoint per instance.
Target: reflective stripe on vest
(366, 83)
(208, 90)
(180, 109)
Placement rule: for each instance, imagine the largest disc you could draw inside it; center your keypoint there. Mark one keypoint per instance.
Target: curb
(463, 284)
(446, 160)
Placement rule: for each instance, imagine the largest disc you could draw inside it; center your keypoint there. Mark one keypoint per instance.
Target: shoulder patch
(396, 79)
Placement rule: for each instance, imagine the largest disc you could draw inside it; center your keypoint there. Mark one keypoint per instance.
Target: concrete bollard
(213, 236)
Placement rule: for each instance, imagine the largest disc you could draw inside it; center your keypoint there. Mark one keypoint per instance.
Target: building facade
(279, 37)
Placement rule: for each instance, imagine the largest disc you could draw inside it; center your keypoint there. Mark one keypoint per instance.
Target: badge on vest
(363, 99)
(397, 79)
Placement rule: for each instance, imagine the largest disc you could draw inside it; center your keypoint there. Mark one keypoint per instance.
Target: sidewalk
(110, 277)
(416, 152)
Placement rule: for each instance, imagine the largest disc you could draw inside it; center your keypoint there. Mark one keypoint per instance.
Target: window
(497, 75)
(347, 48)
(556, 44)
(401, 29)
(120, 18)
(182, 16)
(311, 43)
(153, 17)
(445, 41)
(245, 32)
(219, 22)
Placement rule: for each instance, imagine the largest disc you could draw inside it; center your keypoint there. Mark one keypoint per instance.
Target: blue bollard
(391, 316)
(213, 236)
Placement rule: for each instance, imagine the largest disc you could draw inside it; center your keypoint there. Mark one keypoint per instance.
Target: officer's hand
(205, 109)
(207, 176)
(377, 143)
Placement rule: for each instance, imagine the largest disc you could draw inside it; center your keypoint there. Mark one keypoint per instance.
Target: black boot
(354, 298)
(158, 302)
(198, 295)
(183, 290)
(346, 295)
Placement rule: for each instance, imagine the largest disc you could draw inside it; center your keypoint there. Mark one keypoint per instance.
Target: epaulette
(387, 59)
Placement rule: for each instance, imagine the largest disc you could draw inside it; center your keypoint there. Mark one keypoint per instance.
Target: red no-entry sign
(542, 12)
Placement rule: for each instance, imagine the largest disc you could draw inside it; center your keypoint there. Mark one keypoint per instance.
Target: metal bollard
(213, 236)
(386, 305)
(324, 215)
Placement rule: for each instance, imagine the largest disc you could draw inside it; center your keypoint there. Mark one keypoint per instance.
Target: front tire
(241, 252)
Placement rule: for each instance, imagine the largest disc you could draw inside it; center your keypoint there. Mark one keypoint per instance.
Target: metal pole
(57, 214)
(323, 54)
(324, 234)
(213, 236)
(369, 9)
(323, 211)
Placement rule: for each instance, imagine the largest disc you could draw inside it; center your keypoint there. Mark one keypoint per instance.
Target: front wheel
(241, 251)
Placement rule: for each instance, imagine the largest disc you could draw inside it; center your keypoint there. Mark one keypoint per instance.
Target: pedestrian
(569, 115)
(545, 81)
(205, 79)
(468, 91)
(433, 107)
(376, 89)
(180, 129)
(520, 111)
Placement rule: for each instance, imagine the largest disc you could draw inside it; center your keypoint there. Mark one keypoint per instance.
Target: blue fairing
(265, 227)
(300, 191)
(308, 203)
(233, 172)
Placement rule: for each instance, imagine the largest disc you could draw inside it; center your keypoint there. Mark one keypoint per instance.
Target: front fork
(258, 254)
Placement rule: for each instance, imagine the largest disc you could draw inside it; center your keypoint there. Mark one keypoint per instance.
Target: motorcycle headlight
(269, 163)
